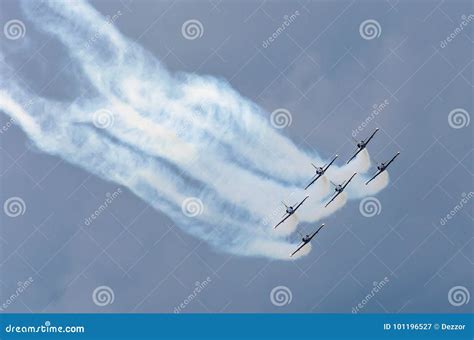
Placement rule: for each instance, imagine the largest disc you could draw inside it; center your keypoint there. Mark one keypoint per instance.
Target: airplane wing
(317, 231)
(298, 249)
(327, 166)
(321, 227)
(373, 177)
(283, 220)
(345, 185)
(314, 180)
(392, 159)
(332, 199)
(300, 203)
(372, 136)
(360, 149)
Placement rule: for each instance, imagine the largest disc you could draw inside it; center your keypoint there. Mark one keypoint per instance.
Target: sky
(331, 67)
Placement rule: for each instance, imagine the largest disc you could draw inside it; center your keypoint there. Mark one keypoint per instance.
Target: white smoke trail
(172, 137)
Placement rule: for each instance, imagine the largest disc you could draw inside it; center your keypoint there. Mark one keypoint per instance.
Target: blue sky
(329, 78)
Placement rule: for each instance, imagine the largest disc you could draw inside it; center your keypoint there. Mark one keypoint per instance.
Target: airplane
(340, 188)
(381, 168)
(306, 239)
(362, 144)
(319, 172)
(290, 211)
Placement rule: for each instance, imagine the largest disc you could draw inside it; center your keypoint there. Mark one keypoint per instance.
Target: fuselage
(362, 144)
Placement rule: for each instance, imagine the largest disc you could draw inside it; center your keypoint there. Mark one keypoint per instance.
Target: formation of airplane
(338, 188)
